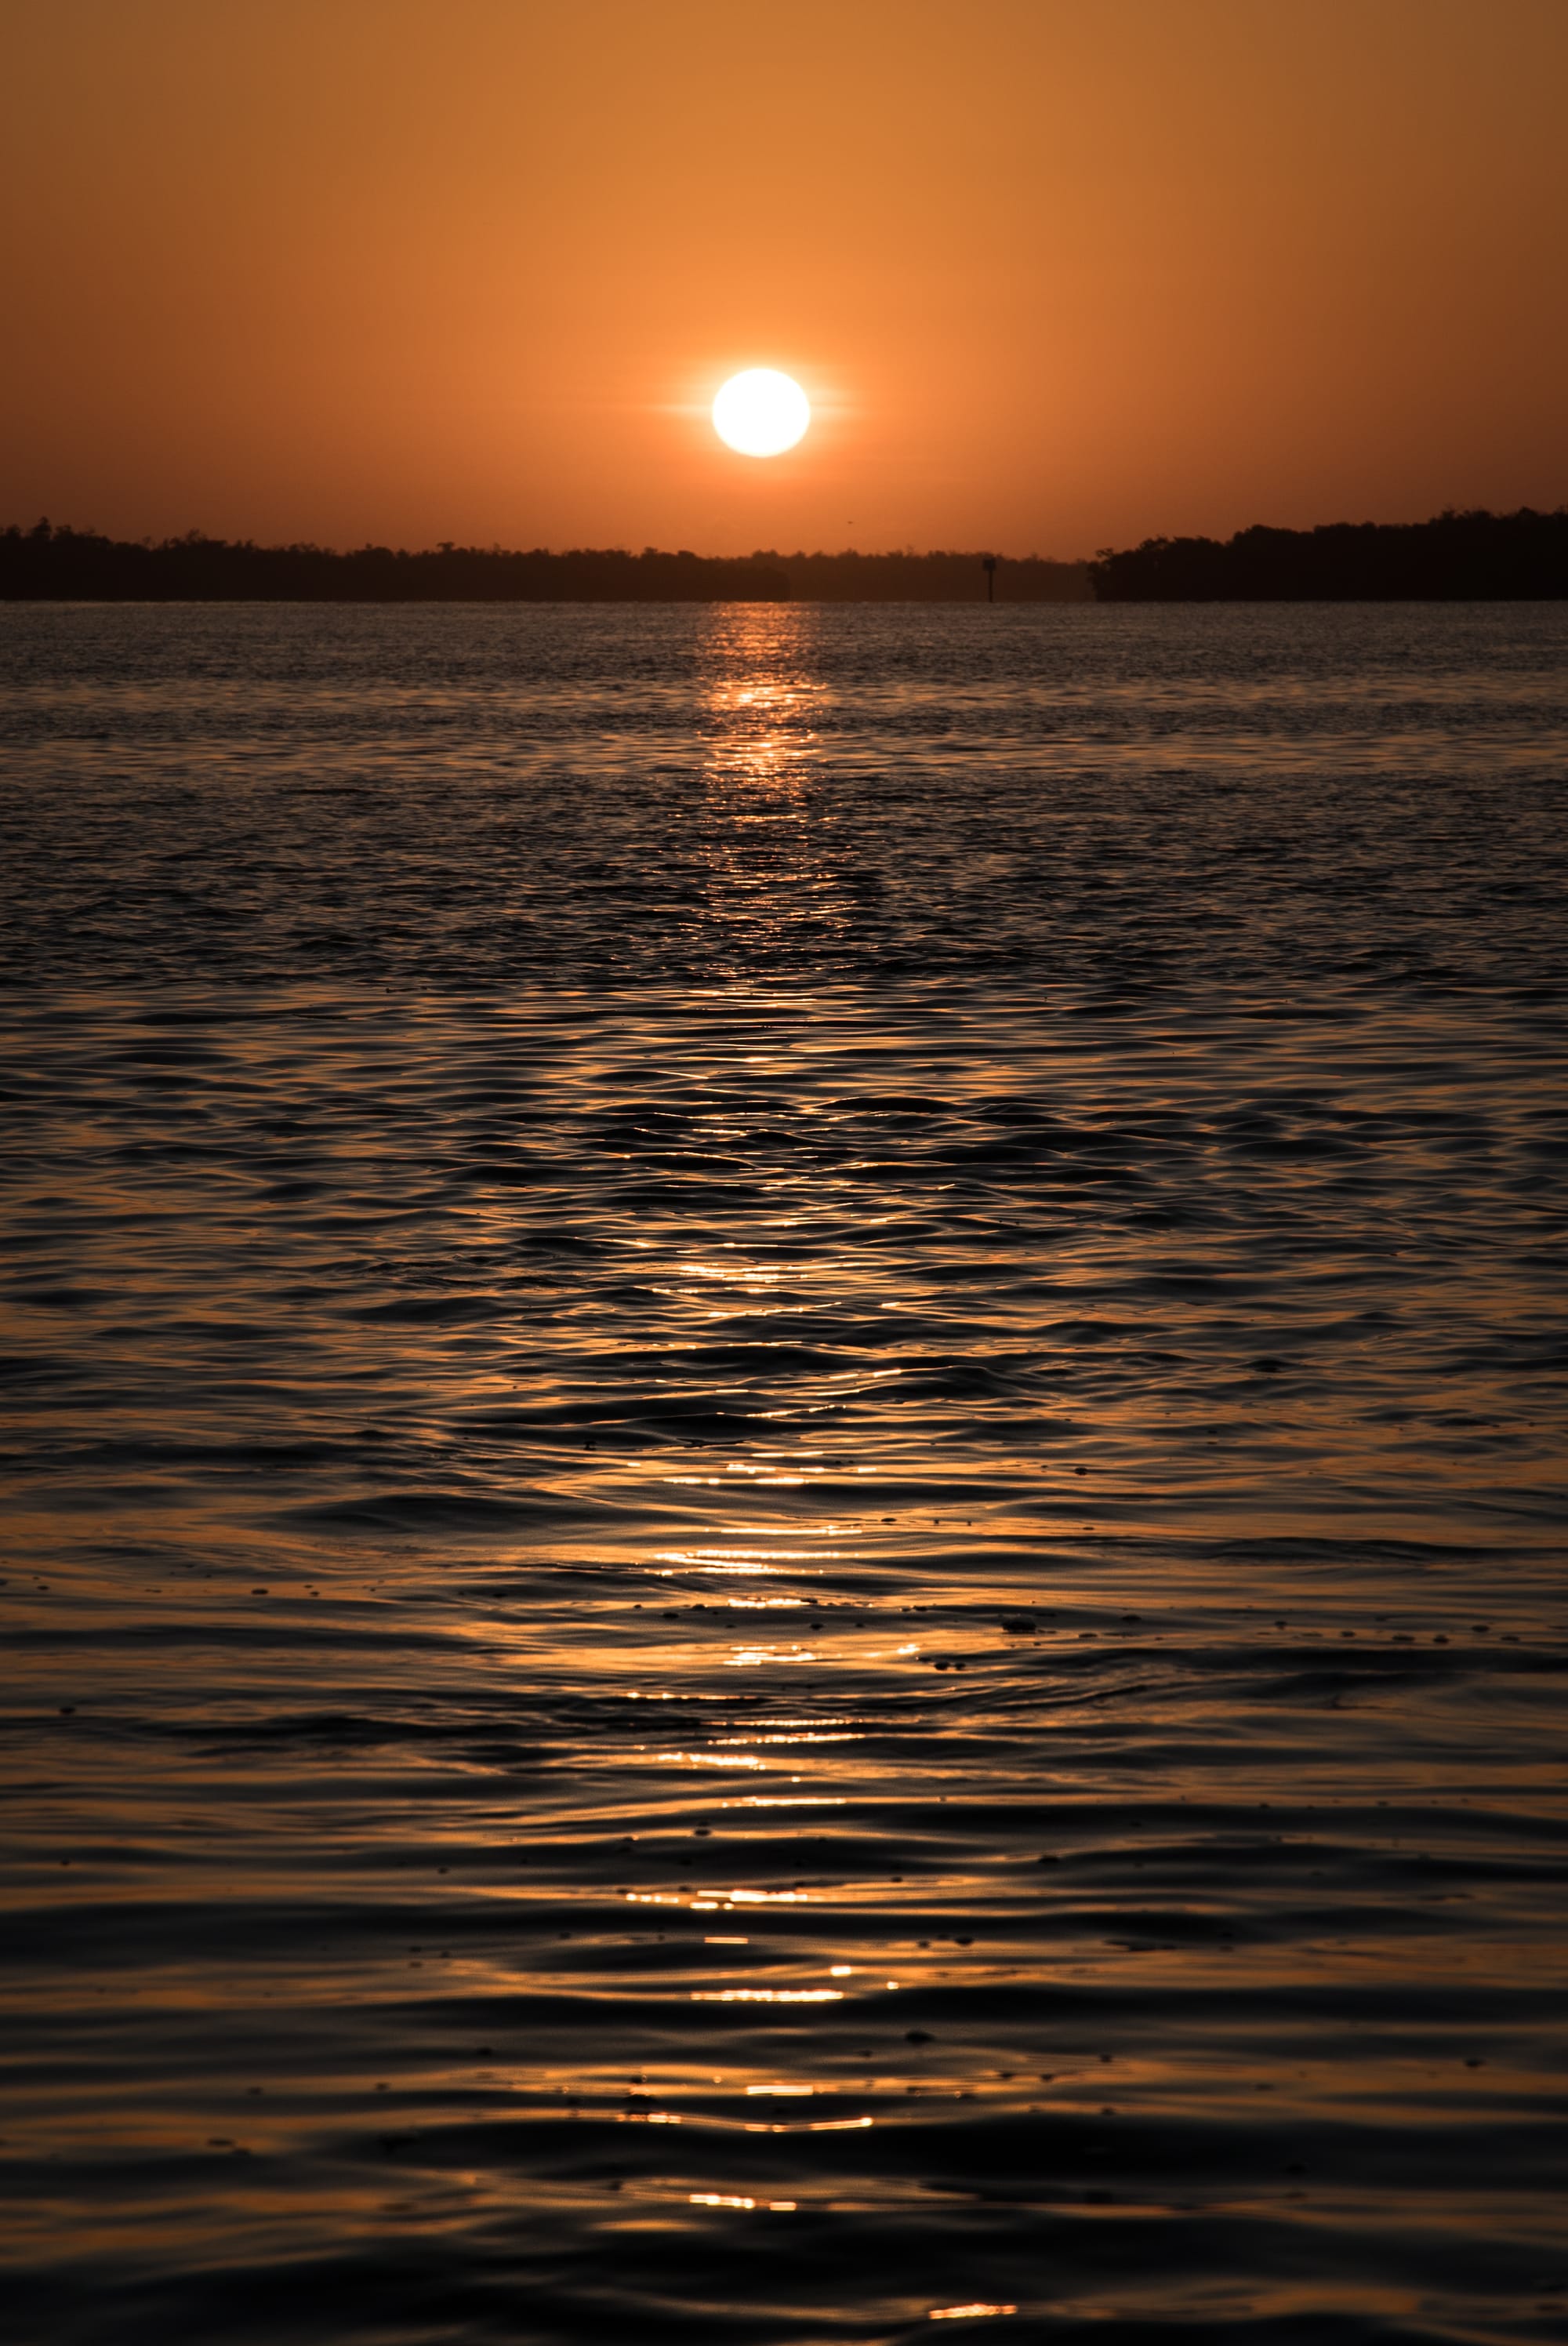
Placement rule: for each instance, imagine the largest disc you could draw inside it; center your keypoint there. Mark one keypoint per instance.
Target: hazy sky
(1056, 273)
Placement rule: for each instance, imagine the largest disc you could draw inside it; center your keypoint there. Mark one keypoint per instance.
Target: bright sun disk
(761, 412)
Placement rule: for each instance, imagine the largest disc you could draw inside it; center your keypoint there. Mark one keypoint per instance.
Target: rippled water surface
(784, 1474)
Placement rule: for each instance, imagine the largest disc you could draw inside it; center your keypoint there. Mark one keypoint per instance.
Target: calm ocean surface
(784, 1540)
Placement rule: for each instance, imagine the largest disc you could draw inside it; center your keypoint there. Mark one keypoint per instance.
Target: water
(784, 1540)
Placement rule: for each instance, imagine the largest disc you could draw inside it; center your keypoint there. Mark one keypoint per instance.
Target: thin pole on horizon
(988, 564)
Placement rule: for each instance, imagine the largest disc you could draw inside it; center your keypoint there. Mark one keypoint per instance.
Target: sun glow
(761, 413)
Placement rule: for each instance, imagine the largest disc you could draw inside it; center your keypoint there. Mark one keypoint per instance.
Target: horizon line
(44, 530)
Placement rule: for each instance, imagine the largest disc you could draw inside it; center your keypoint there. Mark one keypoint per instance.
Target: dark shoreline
(47, 564)
(1449, 559)
(1455, 557)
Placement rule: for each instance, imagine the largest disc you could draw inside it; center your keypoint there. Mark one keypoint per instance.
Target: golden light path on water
(823, 1644)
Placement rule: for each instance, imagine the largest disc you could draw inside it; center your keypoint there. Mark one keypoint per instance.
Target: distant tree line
(79, 566)
(928, 578)
(1456, 558)
(47, 564)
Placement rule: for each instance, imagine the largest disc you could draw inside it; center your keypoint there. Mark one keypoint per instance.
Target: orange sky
(1056, 273)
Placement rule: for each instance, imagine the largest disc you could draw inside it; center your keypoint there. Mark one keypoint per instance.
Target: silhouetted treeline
(1457, 557)
(54, 565)
(51, 564)
(928, 578)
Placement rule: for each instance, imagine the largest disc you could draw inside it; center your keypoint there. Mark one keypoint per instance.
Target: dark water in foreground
(785, 1530)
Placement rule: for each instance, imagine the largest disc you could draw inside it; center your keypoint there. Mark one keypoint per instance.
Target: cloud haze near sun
(1051, 275)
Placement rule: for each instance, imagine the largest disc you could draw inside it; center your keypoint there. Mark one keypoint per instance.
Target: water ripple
(784, 1517)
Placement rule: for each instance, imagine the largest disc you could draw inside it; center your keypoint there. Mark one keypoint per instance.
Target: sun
(761, 413)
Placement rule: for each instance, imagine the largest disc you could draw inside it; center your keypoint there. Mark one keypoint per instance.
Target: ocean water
(784, 1531)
